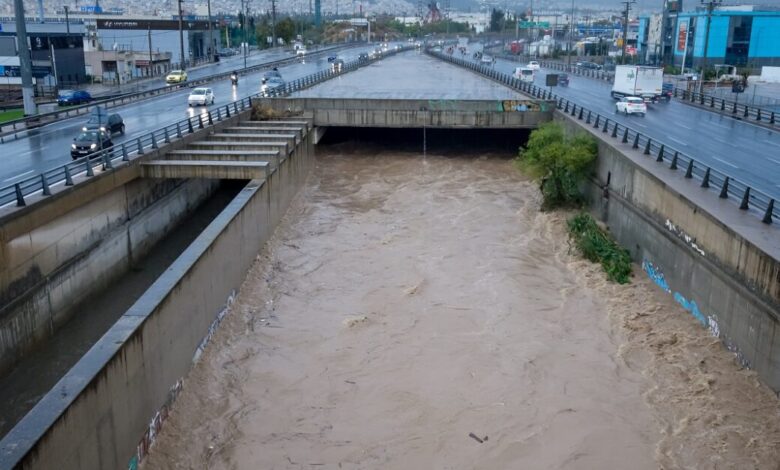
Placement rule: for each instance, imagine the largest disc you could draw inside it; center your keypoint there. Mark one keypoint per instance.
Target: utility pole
(25, 62)
(151, 59)
(212, 52)
(710, 6)
(181, 38)
(67, 23)
(273, 22)
(571, 33)
(627, 3)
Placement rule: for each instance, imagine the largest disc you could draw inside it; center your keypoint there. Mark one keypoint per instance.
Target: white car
(486, 59)
(201, 97)
(524, 74)
(301, 51)
(533, 65)
(631, 105)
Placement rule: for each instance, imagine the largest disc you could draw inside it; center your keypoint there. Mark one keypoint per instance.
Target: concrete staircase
(247, 151)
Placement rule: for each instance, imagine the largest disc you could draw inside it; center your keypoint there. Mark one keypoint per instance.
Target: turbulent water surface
(420, 313)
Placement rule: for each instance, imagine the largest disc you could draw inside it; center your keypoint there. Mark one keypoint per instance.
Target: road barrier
(108, 159)
(767, 117)
(726, 186)
(11, 129)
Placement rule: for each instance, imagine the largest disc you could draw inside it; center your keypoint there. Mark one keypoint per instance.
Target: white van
(524, 74)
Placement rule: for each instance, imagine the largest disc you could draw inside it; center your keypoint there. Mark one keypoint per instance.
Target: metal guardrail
(709, 178)
(31, 122)
(115, 156)
(764, 116)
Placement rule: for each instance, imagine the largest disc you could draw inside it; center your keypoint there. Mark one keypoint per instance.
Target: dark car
(331, 58)
(589, 65)
(563, 79)
(73, 97)
(89, 142)
(102, 120)
(363, 57)
(667, 91)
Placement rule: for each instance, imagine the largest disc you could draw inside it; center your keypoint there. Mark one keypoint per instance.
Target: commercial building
(57, 52)
(743, 36)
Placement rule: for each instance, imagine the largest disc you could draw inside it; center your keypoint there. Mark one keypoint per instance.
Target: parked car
(73, 97)
(201, 97)
(89, 142)
(337, 65)
(563, 79)
(631, 105)
(271, 84)
(176, 76)
(101, 120)
(533, 65)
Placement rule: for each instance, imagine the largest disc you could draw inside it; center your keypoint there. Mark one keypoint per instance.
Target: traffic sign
(533, 24)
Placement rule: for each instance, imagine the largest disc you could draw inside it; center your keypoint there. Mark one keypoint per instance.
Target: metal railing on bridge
(727, 186)
(110, 158)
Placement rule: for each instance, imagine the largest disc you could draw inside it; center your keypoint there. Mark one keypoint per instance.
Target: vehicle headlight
(103, 129)
(73, 146)
(84, 128)
(93, 146)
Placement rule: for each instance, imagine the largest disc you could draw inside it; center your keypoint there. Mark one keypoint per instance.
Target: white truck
(638, 80)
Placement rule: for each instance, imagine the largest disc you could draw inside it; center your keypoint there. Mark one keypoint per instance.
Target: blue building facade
(741, 38)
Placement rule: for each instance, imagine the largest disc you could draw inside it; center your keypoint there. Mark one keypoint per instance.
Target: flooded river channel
(419, 312)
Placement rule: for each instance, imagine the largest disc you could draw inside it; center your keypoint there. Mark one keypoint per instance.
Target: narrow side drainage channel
(29, 381)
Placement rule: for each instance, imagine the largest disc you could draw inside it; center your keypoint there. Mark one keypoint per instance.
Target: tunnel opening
(461, 142)
(39, 370)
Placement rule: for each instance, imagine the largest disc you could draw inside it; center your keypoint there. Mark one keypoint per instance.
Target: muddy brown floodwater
(408, 308)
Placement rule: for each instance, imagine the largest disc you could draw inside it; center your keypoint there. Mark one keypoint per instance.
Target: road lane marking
(678, 141)
(772, 143)
(725, 162)
(773, 160)
(685, 127)
(18, 176)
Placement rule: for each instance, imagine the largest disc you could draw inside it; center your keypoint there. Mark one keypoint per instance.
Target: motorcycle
(234, 79)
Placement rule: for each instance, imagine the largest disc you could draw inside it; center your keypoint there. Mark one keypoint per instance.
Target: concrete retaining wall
(493, 114)
(99, 414)
(60, 249)
(720, 263)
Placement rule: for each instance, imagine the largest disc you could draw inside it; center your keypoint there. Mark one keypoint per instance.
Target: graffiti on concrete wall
(689, 240)
(523, 106)
(151, 433)
(656, 275)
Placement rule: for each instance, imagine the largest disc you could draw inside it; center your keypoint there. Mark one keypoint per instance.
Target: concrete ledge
(279, 147)
(179, 169)
(396, 113)
(227, 137)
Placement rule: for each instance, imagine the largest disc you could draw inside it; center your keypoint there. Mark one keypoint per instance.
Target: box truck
(638, 80)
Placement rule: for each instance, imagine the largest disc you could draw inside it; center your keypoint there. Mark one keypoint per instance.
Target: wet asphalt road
(49, 146)
(739, 149)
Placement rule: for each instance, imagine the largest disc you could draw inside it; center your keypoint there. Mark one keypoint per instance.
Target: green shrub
(560, 164)
(597, 246)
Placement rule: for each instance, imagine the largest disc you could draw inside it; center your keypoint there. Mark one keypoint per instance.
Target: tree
(285, 29)
(496, 20)
(560, 163)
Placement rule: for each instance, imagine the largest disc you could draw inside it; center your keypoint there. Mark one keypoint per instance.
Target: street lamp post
(181, 38)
